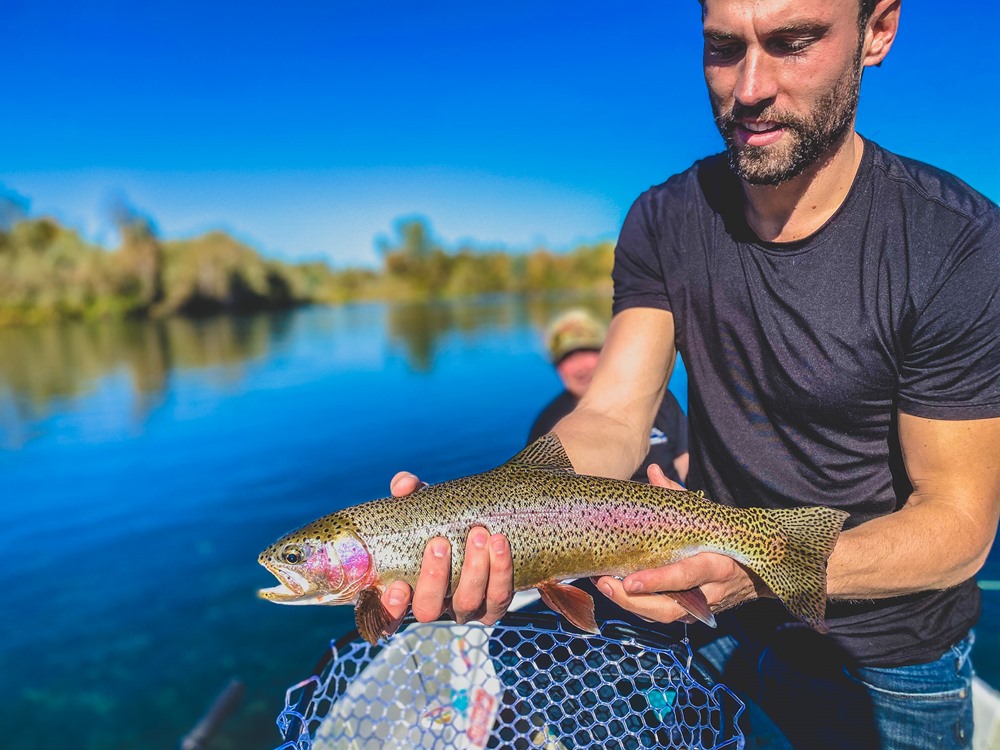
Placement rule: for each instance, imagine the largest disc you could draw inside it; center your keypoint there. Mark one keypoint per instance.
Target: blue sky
(308, 128)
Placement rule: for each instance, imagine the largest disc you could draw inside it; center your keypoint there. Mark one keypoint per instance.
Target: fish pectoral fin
(371, 616)
(575, 605)
(695, 603)
(545, 453)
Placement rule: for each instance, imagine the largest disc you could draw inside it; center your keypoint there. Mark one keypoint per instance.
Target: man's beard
(806, 140)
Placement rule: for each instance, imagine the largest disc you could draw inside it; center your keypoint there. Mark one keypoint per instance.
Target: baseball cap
(572, 331)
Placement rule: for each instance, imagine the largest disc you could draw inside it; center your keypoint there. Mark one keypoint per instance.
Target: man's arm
(940, 537)
(608, 432)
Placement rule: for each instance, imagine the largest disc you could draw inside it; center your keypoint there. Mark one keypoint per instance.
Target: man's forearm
(608, 433)
(602, 446)
(942, 535)
(924, 546)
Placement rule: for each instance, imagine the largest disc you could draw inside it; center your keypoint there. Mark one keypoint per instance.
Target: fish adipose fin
(547, 453)
(575, 605)
(371, 616)
(694, 601)
(795, 567)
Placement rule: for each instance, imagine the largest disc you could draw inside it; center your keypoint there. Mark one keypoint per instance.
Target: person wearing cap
(574, 340)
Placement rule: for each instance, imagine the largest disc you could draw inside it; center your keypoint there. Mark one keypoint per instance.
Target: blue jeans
(817, 702)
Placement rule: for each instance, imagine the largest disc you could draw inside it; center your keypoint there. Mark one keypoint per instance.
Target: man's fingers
(679, 576)
(432, 584)
(659, 479)
(396, 599)
(648, 606)
(500, 589)
(723, 581)
(471, 590)
(404, 483)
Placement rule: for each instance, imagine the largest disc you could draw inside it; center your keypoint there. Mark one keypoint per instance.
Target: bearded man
(838, 310)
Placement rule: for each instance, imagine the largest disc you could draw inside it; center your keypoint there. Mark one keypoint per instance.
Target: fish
(561, 525)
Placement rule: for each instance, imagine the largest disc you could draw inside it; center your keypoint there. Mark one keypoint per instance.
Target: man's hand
(724, 582)
(485, 587)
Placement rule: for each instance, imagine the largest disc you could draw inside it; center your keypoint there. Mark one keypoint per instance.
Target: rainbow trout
(560, 525)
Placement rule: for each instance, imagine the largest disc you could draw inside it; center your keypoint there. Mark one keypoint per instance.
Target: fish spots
(564, 525)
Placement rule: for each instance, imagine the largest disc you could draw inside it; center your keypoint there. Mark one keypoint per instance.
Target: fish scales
(560, 525)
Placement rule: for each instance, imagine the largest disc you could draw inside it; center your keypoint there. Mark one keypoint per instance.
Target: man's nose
(757, 81)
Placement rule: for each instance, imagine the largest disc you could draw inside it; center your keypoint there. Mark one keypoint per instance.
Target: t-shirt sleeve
(638, 271)
(951, 362)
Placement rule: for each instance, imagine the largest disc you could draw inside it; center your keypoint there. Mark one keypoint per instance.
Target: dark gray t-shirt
(799, 354)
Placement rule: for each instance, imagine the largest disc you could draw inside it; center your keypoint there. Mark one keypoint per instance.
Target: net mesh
(524, 683)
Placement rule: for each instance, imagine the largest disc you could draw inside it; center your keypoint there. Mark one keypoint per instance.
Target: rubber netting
(524, 683)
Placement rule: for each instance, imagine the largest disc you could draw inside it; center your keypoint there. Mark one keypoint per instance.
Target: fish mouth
(295, 588)
(292, 588)
(281, 594)
(284, 595)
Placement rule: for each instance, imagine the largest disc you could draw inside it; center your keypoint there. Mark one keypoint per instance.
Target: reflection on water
(420, 326)
(45, 364)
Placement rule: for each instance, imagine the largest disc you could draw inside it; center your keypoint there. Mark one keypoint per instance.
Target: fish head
(322, 563)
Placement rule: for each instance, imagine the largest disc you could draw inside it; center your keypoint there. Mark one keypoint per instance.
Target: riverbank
(48, 273)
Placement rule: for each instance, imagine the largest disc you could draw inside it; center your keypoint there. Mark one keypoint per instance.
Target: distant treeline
(48, 272)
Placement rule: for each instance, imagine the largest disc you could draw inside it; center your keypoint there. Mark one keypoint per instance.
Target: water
(143, 466)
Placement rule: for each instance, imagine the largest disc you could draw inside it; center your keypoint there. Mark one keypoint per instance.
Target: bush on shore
(48, 272)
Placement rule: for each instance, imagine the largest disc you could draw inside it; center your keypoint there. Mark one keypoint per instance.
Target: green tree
(139, 260)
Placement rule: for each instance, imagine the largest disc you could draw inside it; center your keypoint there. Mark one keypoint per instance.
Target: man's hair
(867, 8)
(864, 12)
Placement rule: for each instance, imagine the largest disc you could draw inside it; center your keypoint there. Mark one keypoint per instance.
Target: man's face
(783, 77)
(576, 370)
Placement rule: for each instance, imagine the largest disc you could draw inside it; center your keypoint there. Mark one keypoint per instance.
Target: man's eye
(723, 51)
(791, 46)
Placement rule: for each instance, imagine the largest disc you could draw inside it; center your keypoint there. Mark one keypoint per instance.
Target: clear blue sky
(308, 128)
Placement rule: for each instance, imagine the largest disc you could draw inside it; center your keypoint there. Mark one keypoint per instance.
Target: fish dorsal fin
(545, 453)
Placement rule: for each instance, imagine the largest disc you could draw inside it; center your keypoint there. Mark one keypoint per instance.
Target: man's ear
(880, 31)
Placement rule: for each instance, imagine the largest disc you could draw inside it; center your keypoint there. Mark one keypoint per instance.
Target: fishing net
(522, 684)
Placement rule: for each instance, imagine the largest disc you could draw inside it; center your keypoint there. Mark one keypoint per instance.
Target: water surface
(143, 466)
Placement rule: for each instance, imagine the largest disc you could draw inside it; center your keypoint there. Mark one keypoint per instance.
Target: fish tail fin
(794, 567)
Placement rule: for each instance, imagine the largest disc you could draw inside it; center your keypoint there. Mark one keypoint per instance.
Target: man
(574, 340)
(838, 312)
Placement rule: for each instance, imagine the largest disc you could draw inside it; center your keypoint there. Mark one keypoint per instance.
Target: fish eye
(293, 554)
